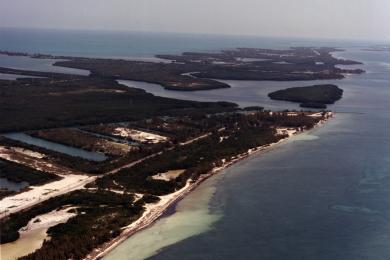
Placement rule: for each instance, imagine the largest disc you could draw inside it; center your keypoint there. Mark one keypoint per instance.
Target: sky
(335, 19)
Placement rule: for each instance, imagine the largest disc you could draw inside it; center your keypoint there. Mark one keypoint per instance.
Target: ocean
(321, 195)
(119, 44)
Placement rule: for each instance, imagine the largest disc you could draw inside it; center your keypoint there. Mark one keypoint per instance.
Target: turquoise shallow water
(193, 216)
(323, 195)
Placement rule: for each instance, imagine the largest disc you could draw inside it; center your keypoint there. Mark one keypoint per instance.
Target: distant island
(192, 71)
(316, 96)
(384, 48)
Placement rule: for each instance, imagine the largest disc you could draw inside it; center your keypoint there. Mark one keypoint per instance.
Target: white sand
(140, 136)
(28, 152)
(286, 131)
(315, 115)
(169, 175)
(48, 220)
(71, 180)
(292, 113)
(38, 194)
(195, 139)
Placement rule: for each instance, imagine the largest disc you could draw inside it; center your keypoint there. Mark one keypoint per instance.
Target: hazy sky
(361, 19)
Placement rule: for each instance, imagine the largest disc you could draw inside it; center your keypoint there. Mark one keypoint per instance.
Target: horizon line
(357, 40)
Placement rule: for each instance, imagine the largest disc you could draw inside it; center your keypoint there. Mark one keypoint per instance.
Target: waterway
(12, 186)
(65, 149)
(33, 64)
(6, 76)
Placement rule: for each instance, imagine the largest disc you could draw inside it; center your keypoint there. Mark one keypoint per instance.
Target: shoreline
(153, 212)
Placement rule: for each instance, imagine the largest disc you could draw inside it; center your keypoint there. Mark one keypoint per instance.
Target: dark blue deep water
(323, 196)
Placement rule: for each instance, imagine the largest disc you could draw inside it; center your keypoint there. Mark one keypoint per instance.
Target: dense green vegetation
(197, 158)
(316, 96)
(265, 64)
(19, 173)
(238, 64)
(282, 119)
(47, 103)
(169, 75)
(241, 132)
(195, 71)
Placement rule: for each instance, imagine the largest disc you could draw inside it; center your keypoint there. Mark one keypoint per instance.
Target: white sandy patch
(169, 175)
(189, 74)
(28, 152)
(156, 208)
(222, 138)
(292, 113)
(195, 139)
(71, 180)
(137, 196)
(118, 191)
(38, 194)
(286, 131)
(140, 136)
(316, 115)
(48, 220)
